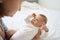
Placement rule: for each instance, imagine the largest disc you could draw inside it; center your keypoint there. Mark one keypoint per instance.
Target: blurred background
(31, 0)
(50, 4)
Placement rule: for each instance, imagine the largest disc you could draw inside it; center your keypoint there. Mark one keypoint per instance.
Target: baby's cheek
(35, 22)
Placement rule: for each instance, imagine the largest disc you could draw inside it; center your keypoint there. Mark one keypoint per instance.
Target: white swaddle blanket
(26, 32)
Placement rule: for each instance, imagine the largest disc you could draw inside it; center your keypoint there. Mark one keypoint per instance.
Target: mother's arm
(44, 27)
(2, 34)
(10, 33)
(37, 35)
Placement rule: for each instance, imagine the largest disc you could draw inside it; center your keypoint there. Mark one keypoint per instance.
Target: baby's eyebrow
(37, 19)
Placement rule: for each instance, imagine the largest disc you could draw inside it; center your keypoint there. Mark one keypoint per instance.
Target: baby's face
(37, 21)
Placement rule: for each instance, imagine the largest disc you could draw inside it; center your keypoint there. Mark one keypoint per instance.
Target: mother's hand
(37, 35)
(2, 34)
(44, 27)
(10, 33)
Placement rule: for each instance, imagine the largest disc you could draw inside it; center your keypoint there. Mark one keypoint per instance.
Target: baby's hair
(44, 18)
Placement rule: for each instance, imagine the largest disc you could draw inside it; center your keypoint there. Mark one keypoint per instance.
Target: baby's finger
(33, 14)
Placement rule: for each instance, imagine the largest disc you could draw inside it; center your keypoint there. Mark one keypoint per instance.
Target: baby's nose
(34, 19)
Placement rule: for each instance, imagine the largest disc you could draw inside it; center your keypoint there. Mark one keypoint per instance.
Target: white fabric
(26, 32)
(53, 23)
(1, 38)
(28, 19)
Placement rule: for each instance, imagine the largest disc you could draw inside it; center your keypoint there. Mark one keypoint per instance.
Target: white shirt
(1, 38)
(27, 32)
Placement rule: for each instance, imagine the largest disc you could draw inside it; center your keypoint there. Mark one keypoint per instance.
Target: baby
(39, 21)
(32, 30)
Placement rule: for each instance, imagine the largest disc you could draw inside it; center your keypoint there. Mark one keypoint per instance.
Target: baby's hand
(44, 27)
(33, 14)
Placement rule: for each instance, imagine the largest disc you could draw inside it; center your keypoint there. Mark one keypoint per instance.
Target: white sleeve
(24, 35)
(1, 38)
(27, 19)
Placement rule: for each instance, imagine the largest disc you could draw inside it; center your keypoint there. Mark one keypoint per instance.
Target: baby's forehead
(38, 16)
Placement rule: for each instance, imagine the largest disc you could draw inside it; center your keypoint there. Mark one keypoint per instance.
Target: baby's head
(39, 20)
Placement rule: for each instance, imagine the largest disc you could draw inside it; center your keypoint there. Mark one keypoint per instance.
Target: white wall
(32, 0)
(51, 4)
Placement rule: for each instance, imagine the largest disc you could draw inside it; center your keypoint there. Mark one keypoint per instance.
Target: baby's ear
(33, 14)
(43, 23)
